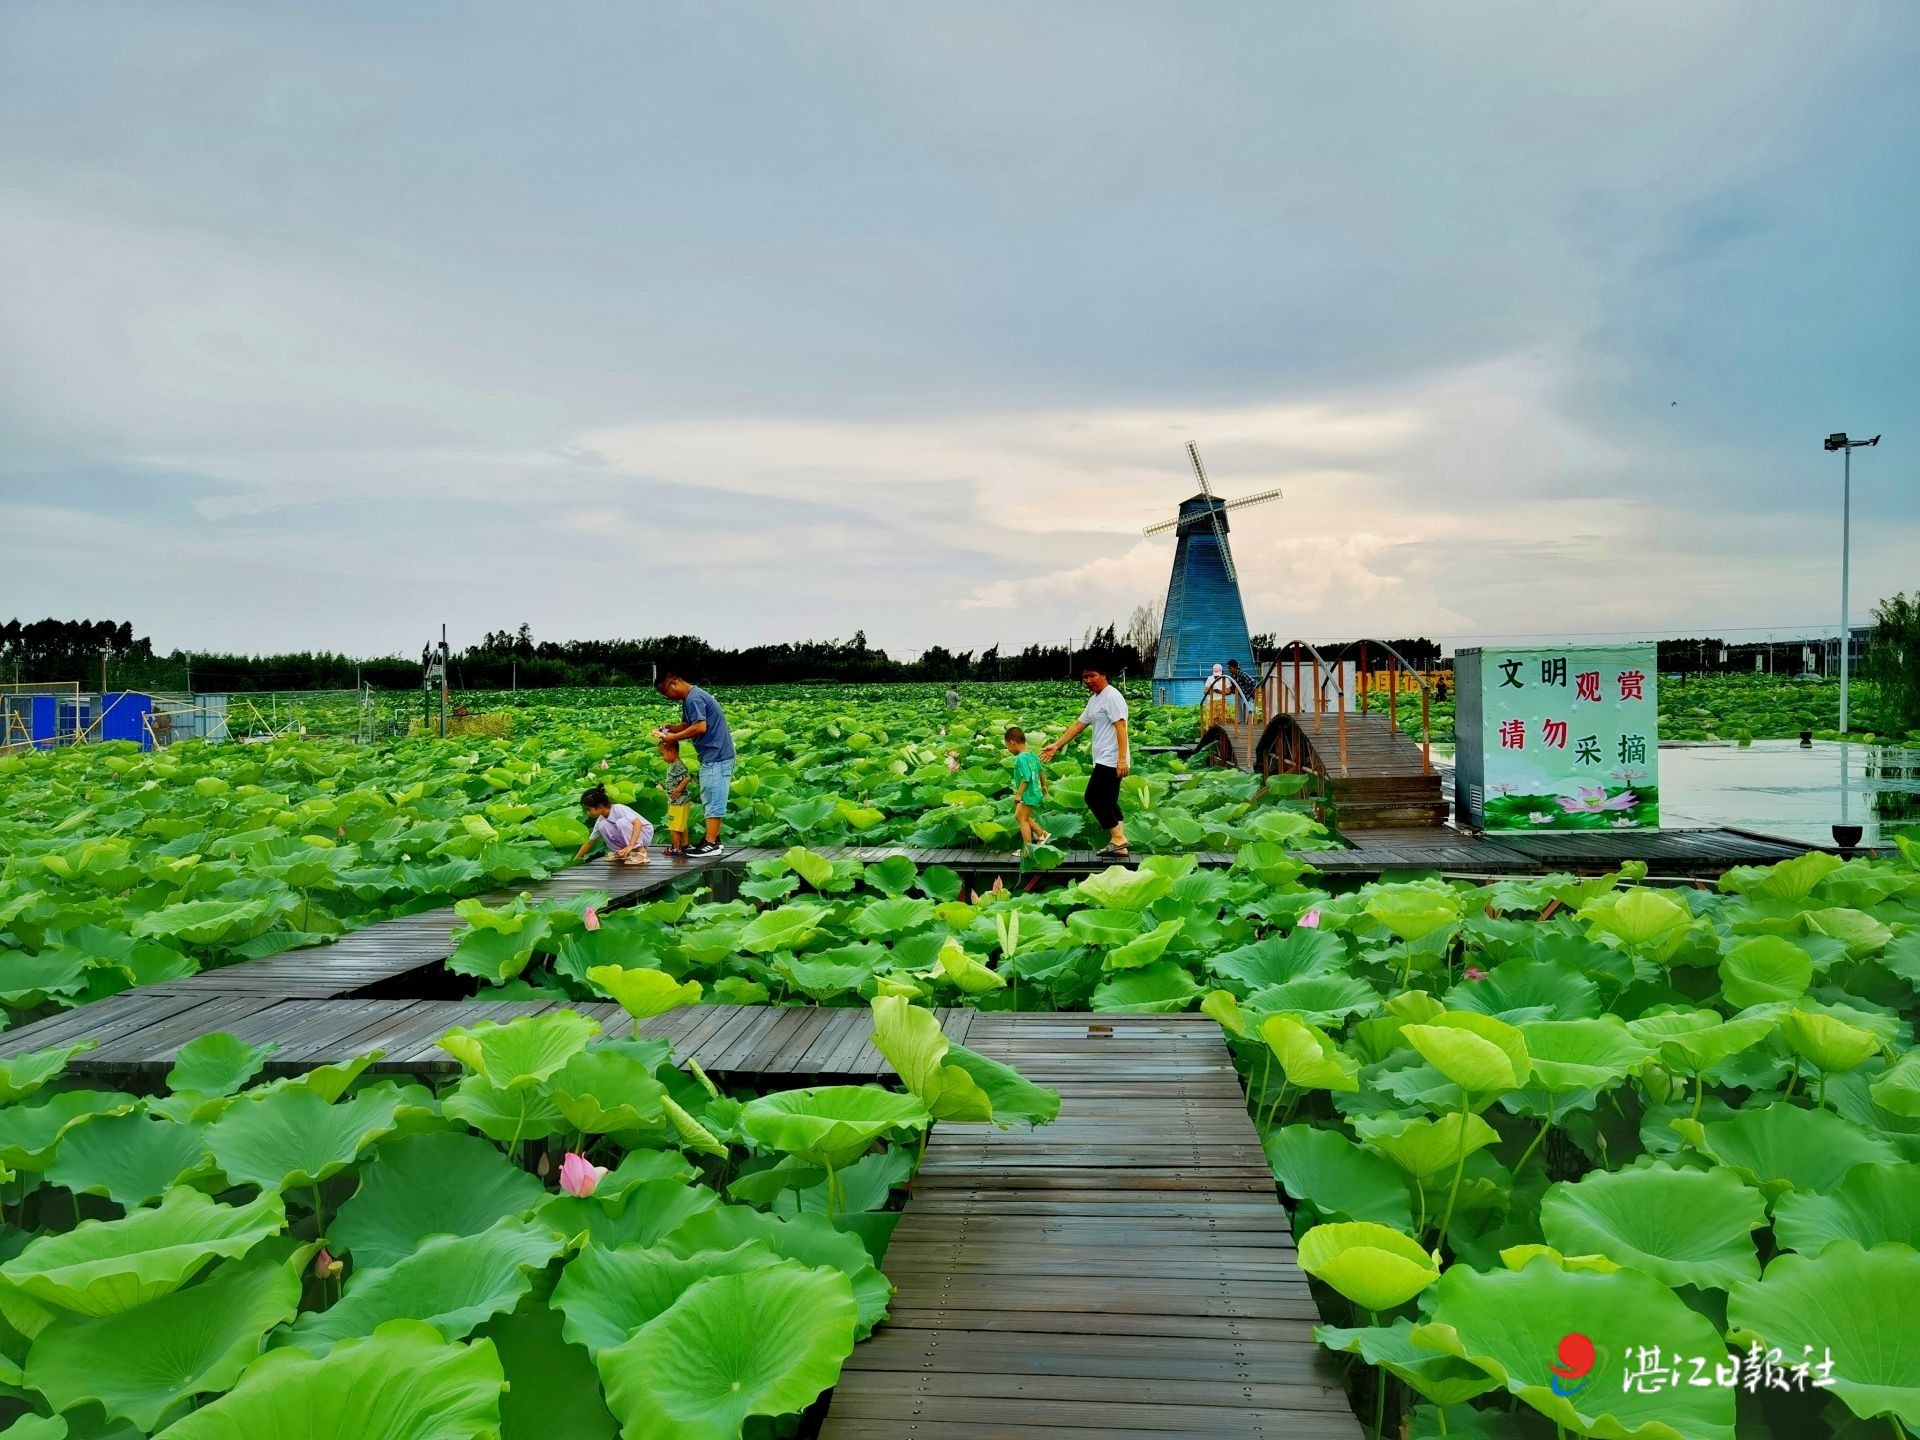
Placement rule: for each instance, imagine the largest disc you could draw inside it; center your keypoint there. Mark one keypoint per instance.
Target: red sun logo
(1576, 1361)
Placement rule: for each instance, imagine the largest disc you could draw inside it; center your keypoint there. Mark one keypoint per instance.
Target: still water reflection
(1778, 787)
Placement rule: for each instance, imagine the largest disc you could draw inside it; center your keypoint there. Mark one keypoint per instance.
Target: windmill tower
(1204, 623)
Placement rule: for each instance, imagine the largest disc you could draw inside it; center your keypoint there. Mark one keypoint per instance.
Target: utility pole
(443, 681)
(1839, 441)
(516, 675)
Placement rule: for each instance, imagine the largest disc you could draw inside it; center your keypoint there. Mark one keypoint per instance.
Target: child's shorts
(677, 816)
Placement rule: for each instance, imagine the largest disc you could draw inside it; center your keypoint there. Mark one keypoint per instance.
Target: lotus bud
(1474, 972)
(580, 1177)
(604, 765)
(545, 1167)
(590, 917)
(325, 1267)
(1310, 920)
(953, 761)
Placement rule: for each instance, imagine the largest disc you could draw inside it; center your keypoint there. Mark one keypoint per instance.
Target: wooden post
(1393, 695)
(1343, 728)
(1297, 704)
(1365, 677)
(1319, 697)
(1426, 732)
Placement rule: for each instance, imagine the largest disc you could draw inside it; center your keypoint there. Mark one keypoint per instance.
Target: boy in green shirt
(1028, 786)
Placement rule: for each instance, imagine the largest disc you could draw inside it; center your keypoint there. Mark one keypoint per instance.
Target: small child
(1028, 786)
(679, 808)
(625, 831)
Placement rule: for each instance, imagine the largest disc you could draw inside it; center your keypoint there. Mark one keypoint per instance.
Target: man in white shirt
(1106, 715)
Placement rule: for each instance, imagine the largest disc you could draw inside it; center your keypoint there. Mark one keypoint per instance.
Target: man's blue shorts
(716, 777)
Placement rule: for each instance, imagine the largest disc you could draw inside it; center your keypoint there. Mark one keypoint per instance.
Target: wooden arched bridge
(1336, 717)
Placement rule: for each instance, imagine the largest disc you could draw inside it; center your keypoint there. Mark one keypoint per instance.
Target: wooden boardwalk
(1124, 1271)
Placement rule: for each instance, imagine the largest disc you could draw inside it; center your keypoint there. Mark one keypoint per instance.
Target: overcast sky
(323, 323)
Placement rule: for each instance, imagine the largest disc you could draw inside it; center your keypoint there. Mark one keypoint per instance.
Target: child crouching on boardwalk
(623, 830)
(1028, 786)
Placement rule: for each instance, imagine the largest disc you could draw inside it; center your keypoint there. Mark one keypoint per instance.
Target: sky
(321, 325)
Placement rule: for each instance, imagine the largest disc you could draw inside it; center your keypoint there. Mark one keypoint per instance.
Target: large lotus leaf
(966, 970)
(892, 876)
(1374, 1266)
(1413, 911)
(37, 1427)
(1160, 988)
(1793, 879)
(1480, 1054)
(502, 1114)
(1425, 1147)
(894, 916)
(1337, 1177)
(764, 1342)
(1322, 999)
(553, 1391)
(138, 1364)
(787, 928)
(502, 950)
(1308, 1056)
(641, 992)
(216, 1064)
(602, 1091)
(132, 1159)
(811, 1239)
(1897, 1091)
(102, 1267)
(830, 1125)
(403, 1382)
(1443, 1379)
(1103, 928)
(1784, 1147)
(1828, 1043)
(1011, 1094)
(1682, 1227)
(287, 1138)
(1857, 930)
(329, 1082)
(1764, 968)
(1521, 990)
(208, 922)
(606, 1295)
(1221, 1005)
(914, 1044)
(435, 1183)
(1696, 1041)
(30, 980)
(523, 1052)
(29, 1134)
(1120, 888)
(21, 1075)
(1276, 960)
(1569, 1055)
(1641, 919)
(1874, 1203)
(1861, 1306)
(1510, 1324)
(1144, 949)
(692, 1133)
(453, 1282)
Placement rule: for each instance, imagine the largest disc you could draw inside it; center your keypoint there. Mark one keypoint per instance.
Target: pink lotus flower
(325, 1267)
(578, 1176)
(1474, 972)
(605, 766)
(1310, 920)
(1593, 801)
(590, 918)
(953, 761)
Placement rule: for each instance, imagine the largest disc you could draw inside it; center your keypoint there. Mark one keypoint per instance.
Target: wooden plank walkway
(1125, 1271)
(743, 1044)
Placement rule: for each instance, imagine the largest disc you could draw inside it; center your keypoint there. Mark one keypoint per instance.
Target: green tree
(1893, 659)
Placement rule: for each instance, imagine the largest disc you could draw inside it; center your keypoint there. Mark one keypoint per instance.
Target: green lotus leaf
(914, 1044)
(286, 1138)
(1103, 929)
(499, 950)
(507, 1116)
(1322, 999)
(1857, 930)
(1825, 1042)
(1160, 988)
(648, 1212)
(329, 1082)
(764, 1342)
(29, 1134)
(643, 993)
(419, 1186)
(967, 970)
(787, 928)
(1308, 1056)
(453, 1282)
(1510, 1323)
(36, 1427)
(1518, 1257)
(1443, 1379)
(403, 1382)
(216, 1064)
(139, 1364)
(1764, 968)
(1011, 1095)
(897, 915)
(1425, 1147)
(1569, 1055)
(811, 1239)
(1694, 1042)
(1860, 1305)
(553, 1391)
(102, 1267)
(691, 1132)
(1144, 949)
(1872, 1204)
(208, 922)
(1521, 990)
(1374, 1266)
(1277, 959)
(1897, 1091)
(1793, 879)
(1337, 1177)
(1480, 1054)
(1641, 919)
(523, 1052)
(132, 1159)
(1221, 1005)
(601, 1092)
(1783, 1147)
(830, 1125)
(606, 1295)
(1682, 1227)
(1413, 911)
(1120, 888)
(815, 869)
(21, 1075)
(892, 876)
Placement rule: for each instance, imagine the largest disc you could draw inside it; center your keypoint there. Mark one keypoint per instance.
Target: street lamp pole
(1839, 441)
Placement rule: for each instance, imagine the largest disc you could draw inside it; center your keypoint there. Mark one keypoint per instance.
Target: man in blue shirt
(704, 723)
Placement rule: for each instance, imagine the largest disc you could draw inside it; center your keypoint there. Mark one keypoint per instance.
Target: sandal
(1042, 837)
(1114, 852)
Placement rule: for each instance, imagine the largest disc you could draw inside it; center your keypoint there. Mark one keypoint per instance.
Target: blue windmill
(1204, 623)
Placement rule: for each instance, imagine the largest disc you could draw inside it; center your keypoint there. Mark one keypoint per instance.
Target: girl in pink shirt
(623, 830)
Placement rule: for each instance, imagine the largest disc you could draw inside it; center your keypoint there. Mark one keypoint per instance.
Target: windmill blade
(1213, 513)
(1162, 527)
(1260, 499)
